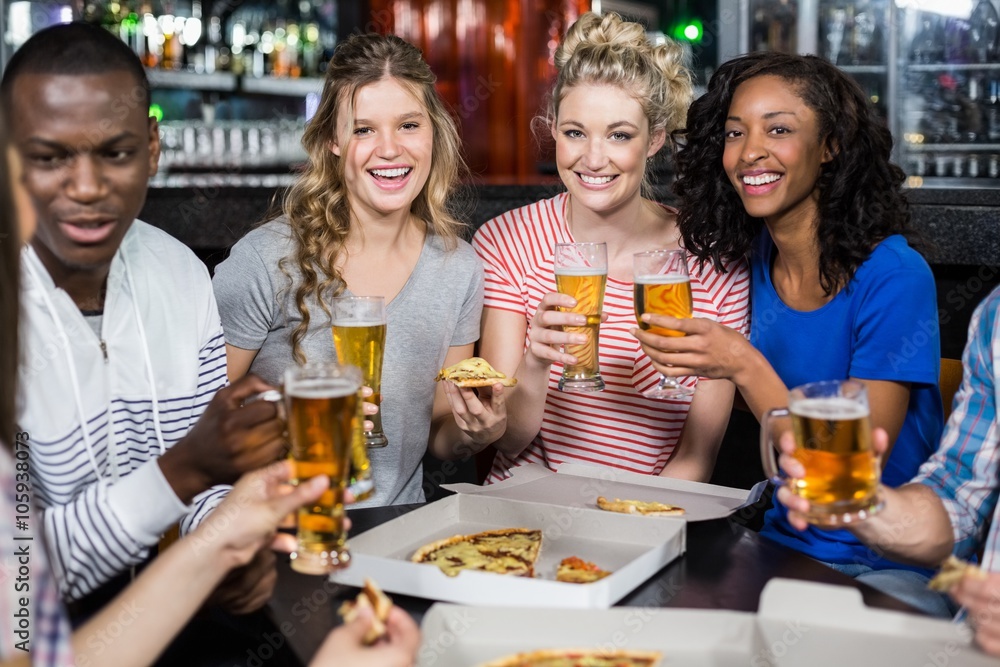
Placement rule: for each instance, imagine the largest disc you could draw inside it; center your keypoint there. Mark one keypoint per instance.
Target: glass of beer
(662, 286)
(832, 428)
(582, 273)
(359, 325)
(321, 403)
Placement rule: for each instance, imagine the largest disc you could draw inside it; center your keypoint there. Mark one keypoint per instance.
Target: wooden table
(725, 567)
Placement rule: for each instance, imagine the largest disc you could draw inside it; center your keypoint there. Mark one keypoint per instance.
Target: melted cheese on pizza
(575, 570)
(550, 658)
(513, 553)
(474, 370)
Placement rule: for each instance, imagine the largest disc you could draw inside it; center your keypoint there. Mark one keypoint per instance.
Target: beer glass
(582, 273)
(321, 403)
(830, 421)
(662, 286)
(359, 325)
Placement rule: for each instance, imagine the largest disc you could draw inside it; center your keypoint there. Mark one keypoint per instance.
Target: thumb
(880, 442)
(356, 629)
(247, 386)
(306, 492)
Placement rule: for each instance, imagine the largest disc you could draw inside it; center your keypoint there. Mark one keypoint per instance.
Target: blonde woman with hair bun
(615, 103)
(368, 218)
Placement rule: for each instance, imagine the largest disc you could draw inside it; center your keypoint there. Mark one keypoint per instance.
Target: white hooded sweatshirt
(99, 411)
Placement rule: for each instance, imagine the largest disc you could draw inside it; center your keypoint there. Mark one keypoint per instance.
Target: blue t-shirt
(882, 326)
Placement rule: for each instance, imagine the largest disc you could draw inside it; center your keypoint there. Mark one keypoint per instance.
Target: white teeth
(391, 173)
(762, 179)
(596, 180)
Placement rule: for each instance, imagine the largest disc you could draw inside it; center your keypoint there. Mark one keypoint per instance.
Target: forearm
(912, 527)
(759, 384)
(108, 528)
(525, 406)
(448, 442)
(181, 472)
(704, 428)
(151, 608)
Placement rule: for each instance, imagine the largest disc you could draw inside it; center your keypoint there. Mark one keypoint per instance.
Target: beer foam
(580, 271)
(833, 407)
(322, 388)
(357, 324)
(660, 279)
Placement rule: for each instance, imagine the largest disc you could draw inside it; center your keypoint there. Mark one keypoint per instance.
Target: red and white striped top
(617, 427)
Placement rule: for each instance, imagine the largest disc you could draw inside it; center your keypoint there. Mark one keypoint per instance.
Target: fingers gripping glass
(832, 429)
(662, 286)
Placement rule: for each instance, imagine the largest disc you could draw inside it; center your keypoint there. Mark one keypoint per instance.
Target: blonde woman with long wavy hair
(368, 218)
(615, 102)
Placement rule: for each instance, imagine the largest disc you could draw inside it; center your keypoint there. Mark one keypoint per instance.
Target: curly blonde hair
(317, 206)
(607, 50)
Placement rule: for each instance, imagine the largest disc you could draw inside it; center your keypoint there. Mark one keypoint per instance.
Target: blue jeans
(905, 585)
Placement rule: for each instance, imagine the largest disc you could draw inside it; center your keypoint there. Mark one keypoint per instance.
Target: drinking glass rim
(859, 390)
(660, 251)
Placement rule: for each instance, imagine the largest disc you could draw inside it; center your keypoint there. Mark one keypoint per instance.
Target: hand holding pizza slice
(370, 597)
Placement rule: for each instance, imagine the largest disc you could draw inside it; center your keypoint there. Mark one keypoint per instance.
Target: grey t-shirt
(438, 307)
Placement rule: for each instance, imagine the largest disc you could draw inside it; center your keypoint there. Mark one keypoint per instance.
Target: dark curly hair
(860, 201)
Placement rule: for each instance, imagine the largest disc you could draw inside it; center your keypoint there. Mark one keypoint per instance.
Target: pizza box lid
(798, 623)
(633, 548)
(577, 485)
(460, 636)
(807, 623)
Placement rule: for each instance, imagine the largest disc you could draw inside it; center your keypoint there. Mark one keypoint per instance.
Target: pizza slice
(575, 570)
(512, 551)
(638, 507)
(579, 658)
(952, 571)
(474, 372)
(371, 597)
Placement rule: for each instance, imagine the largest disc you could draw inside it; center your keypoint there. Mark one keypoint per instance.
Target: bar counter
(962, 223)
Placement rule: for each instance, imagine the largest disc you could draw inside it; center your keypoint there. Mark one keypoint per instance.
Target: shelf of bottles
(950, 99)
(224, 52)
(853, 34)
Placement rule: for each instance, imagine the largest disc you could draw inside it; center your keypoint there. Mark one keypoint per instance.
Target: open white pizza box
(633, 548)
(459, 636)
(799, 623)
(806, 623)
(577, 485)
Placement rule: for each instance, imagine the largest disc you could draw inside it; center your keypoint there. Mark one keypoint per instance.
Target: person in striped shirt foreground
(151, 610)
(616, 100)
(122, 391)
(951, 506)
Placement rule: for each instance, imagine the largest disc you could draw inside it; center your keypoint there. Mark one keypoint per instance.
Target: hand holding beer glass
(662, 286)
(831, 425)
(359, 326)
(321, 403)
(582, 273)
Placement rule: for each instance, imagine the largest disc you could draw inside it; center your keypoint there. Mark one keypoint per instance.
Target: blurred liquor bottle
(984, 32)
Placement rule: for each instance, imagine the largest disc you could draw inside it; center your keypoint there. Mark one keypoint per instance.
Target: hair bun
(592, 30)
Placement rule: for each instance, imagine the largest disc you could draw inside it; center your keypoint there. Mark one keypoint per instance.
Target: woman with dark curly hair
(785, 160)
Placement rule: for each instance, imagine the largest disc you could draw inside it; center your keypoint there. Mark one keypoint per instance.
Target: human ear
(154, 146)
(334, 147)
(658, 138)
(830, 149)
